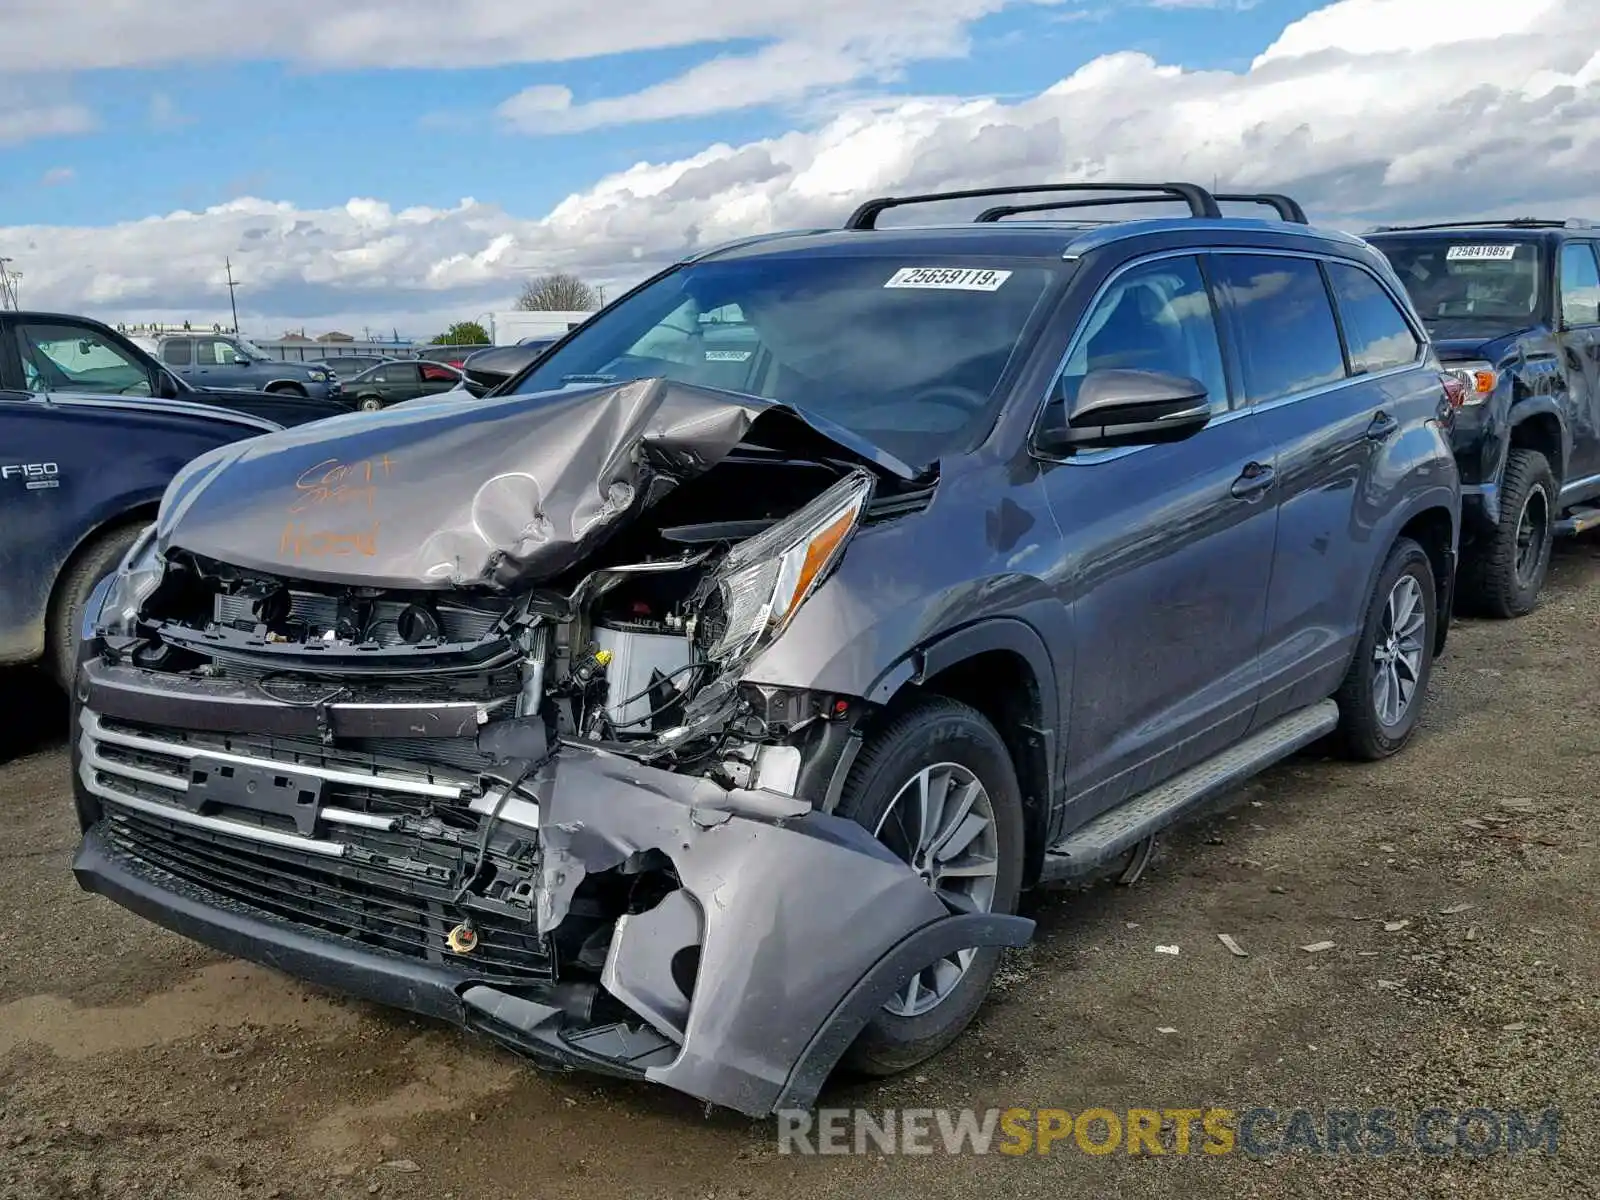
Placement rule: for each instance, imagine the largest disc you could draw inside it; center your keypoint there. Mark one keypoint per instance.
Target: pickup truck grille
(375, 886)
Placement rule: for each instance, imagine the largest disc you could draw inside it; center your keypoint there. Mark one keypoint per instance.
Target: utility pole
(8, 285)
(232, 283)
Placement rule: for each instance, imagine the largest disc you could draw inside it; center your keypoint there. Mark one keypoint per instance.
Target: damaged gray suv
(696, 706)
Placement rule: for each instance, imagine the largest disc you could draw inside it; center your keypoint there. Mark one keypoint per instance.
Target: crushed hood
(488, 493)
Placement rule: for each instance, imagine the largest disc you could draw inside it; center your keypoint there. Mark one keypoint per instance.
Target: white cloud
(32, 107)
(81, 34)
(56, 176)
(1355, 121)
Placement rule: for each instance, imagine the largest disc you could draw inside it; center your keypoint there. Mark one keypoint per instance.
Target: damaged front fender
(798, 919)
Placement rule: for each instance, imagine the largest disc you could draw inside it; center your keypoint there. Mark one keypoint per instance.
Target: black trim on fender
(887, 975)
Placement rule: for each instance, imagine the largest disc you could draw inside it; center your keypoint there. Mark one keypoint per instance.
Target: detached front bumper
(789, 928)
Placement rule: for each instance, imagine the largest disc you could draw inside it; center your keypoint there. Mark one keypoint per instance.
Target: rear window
(906, 352)
(1477, 278)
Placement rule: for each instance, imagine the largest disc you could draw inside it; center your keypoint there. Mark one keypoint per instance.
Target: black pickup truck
(44, 352)
(81, 474)
(1513, 308)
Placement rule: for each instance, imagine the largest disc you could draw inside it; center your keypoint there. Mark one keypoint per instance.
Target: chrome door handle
(1255, 479)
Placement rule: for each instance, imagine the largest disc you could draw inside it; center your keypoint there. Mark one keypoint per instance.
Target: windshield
(905, 353)
(1480, 279)
(249, 349)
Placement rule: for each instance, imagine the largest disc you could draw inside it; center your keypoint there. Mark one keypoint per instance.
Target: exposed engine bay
(507, 737)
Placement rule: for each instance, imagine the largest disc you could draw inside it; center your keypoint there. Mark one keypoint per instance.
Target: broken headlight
(135, 581)
(764, 581)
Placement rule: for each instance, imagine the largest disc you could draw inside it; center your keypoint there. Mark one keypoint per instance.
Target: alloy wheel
(1397, 655)
(941, 823)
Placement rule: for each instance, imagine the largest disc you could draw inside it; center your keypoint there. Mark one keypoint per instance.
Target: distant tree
(557, 293)
(464, 333)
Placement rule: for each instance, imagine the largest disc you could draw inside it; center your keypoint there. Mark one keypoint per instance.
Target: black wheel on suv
(1380, 700)
(938, 788)
(287, 389)
(1505, 574)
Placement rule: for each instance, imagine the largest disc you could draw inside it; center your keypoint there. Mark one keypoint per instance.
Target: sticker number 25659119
(960, 279)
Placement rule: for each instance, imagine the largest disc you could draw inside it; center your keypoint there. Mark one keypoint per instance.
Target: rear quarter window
(1376, 332)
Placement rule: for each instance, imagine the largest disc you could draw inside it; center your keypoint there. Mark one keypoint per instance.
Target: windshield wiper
(588, 378)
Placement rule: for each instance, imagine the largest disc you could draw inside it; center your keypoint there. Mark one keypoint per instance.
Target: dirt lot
(133, 1063)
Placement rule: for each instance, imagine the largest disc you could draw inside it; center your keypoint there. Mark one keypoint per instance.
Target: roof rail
(1287, 208)
(1510, 223)
(1201, 203)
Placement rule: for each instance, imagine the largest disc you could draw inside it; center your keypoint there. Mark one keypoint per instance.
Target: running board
(1116, 832)
(1578, 520)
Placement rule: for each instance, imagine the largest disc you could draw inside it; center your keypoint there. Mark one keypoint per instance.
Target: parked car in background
(699, 717)
(452, 356)
(1514, 310)
(347, 366)
(57, 352)
(81, 472)
(392, 382)
(215, 360)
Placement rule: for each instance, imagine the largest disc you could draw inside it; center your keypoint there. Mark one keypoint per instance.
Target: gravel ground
(133, 1063)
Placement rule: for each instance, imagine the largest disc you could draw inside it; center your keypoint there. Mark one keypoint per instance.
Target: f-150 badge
(35, 476)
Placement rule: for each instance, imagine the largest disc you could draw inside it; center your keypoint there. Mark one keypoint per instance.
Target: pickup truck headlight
(765, 580)
(1480, 379)
(134, 583)
(320, 376)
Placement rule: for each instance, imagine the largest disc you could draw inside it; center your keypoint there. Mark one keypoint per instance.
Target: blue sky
(330, 151)
(190, 135)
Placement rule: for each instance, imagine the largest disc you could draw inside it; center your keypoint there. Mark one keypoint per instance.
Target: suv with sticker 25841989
(695, 706)
(1514, 310)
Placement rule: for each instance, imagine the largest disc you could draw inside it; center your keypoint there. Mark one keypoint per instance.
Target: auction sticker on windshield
(960, 279)
(1480, 253)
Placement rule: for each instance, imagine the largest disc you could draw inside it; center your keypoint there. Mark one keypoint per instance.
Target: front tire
(287, 389)
(1381, 698)
(369, 404)
(937, 787)
(1504, 576)
(96, 559)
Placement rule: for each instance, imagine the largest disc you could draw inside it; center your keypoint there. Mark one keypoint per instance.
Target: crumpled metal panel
(490, 493)
(795, 911)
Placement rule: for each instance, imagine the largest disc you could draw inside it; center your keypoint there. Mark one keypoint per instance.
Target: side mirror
(1116, 407)
(166, 385)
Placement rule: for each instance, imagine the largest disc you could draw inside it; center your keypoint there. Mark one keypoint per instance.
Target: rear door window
(1288, 338)
(1376, 332)
(178, 353)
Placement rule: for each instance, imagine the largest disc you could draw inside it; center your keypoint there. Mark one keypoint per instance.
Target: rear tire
(1503, 576)
(953, 741)
(1381, 698)
(94, 560)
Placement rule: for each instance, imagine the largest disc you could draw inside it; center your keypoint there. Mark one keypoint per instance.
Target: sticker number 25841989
(960, 279)
(1480, 253)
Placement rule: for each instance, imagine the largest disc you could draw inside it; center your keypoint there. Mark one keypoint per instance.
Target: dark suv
(1514, 311)
(695, 707)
